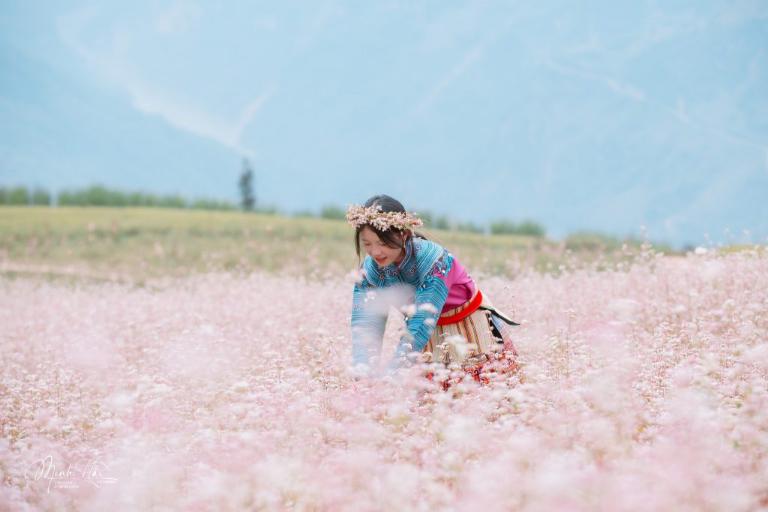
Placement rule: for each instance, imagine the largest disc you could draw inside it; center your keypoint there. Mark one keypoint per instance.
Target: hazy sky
(599, 115)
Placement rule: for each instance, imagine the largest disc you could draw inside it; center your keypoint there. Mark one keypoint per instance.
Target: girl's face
(382, 254)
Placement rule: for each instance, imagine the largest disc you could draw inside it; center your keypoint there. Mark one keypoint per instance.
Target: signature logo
(93, 473)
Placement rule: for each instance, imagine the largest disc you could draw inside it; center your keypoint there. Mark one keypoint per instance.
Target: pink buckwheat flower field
(643, 386)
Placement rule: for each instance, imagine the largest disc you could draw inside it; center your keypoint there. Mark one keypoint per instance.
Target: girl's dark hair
(389, 236)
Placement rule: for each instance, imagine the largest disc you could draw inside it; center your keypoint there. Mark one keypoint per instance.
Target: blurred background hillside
(624, 119)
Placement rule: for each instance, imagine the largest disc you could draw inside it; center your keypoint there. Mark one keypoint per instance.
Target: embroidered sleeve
(431, 295)
(367, 323)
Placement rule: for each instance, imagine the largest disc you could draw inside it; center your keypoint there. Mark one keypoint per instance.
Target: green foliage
(18, 196)
(503, 227)
(333, 212)
(172, 202)
(98, 195)
(432, 221)
(211, 204)
(531, 228)
(41, 197)
(526, 227)
(441, 222)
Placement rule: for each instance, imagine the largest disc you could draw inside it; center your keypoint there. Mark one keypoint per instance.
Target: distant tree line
(526, 227)
(98, 195)
(498, 227)
(24, 196)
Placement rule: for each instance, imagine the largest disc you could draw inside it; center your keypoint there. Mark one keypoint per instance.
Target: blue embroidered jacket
(420, 274)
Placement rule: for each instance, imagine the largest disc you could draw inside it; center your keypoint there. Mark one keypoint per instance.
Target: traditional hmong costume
(447, 305)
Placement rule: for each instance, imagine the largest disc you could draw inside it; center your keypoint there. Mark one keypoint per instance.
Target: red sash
(464, 313)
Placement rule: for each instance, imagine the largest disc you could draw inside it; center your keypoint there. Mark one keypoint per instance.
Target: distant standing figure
(448, 319)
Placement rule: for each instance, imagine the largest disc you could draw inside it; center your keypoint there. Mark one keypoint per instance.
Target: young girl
(449, 320)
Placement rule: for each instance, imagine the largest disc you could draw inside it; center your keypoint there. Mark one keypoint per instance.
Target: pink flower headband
(358, 215)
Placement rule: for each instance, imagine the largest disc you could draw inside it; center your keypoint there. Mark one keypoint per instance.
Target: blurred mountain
(602, 116)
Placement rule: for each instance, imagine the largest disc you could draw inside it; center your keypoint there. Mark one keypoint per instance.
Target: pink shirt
(460, 285)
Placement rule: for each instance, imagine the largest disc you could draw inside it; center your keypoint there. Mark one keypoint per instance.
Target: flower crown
(359, 215)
